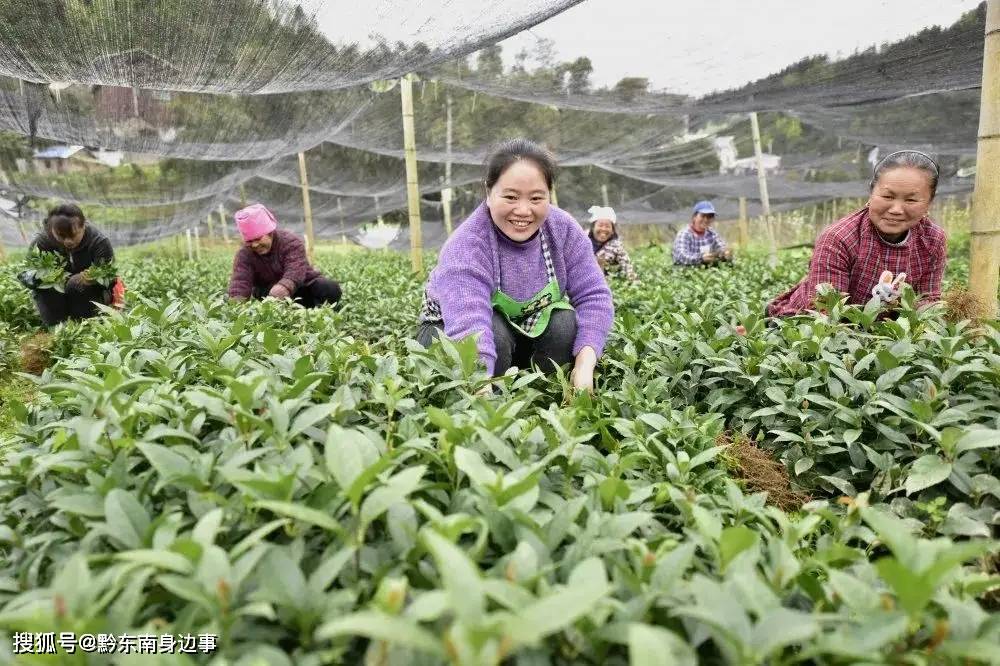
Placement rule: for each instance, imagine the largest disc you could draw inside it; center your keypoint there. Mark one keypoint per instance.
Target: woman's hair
(907, 158)
(514, 150)
(63, 218)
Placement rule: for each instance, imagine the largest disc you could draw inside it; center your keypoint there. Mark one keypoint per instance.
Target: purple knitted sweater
(464, 279)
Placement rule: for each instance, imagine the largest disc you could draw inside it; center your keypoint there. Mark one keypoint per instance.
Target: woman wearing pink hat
(273, 262)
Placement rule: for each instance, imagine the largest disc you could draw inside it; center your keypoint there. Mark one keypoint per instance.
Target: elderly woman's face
(899, 199)
(519, 201)
(603, 230)
(261, 245)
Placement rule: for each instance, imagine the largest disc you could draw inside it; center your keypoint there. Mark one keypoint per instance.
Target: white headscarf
(602, 213)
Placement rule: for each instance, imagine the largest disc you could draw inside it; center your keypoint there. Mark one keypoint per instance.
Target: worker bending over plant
(273, 262)
(891, 236)
(521, 274)
(70, 268)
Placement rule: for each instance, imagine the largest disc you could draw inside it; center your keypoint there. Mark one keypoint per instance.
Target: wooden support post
(3, 251)
(243, 195)
(224, 223)
(446, 192)
(211, 227)
(765, 200)
(412, 185)
(197, 244)
(744, 224)
(306, 205)
(604, 194)
(984, 269)
(190, 245)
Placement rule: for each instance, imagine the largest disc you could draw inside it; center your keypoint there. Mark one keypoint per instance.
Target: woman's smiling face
(519, 200)
(900, 198)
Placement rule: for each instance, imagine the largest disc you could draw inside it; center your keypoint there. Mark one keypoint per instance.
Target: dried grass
(36, 353)
(760, 472)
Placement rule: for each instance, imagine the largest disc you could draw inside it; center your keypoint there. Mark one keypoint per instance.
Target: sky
(697, 46)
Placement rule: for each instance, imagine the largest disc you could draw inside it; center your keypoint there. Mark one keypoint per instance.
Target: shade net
(156, 115)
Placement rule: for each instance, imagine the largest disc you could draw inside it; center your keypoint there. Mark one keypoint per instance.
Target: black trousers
(552, 348)
(320, 291)
(55, 307)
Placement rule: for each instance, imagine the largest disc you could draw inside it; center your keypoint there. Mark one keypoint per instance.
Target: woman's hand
(279, 291)
(582, 376)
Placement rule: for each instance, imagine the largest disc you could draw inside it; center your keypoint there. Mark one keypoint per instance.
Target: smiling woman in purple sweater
(520, 273)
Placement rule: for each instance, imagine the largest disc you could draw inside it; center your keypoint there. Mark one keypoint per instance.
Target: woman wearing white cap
(608, 248)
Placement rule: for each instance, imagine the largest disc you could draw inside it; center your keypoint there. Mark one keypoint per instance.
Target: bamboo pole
(3, 251)
(211, 227)
(604, 194)
(190, 246)
(20, 229)
(306, 205)
(197, 244)
(446, 192)
(984, 275)
(744, 226)
(412, 185)
(554, 196)
(765, 200)
(225, 225)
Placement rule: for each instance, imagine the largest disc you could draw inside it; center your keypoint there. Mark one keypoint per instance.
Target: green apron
(531, 317)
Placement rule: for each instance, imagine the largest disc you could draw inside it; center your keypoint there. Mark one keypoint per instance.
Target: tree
(631, 87)
(579, 75)
(490, 61)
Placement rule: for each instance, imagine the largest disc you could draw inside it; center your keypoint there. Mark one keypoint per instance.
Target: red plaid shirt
(851, 256)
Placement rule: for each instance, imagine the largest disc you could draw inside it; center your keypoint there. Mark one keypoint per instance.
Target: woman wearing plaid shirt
(608, 248)
(892, 233)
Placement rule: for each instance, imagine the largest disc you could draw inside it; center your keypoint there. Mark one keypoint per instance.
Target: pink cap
(255, 221)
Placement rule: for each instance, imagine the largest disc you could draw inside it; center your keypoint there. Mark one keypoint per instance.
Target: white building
(729, 163)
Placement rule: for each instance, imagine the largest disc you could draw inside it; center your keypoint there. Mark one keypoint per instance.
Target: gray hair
(907, 158)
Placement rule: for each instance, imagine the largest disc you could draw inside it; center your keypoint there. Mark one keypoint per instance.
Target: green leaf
(781, 627)
(926, 472)
(348, 454)
(126, 519)
(656, 646)
(382, 627)
(586, 587)
(309, 417)
(472, 464)
(978, 439)
(460, 577)
(160, 559)
(281, 580)
(208, 526)
(302, 513)
(735, 540)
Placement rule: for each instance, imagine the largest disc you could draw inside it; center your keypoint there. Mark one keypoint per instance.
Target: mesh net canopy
(155, 116)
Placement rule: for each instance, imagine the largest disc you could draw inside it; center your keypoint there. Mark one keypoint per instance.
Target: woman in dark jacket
(273, 262)
(80, 245)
